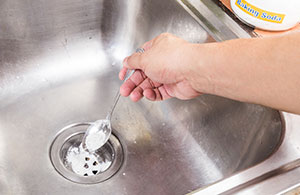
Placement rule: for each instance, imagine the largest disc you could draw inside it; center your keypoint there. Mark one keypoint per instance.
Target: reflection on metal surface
(275, 172)
(276, 175)
(59, 62)
(214, 20)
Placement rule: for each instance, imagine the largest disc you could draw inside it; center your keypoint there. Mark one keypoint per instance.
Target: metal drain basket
(70, 136)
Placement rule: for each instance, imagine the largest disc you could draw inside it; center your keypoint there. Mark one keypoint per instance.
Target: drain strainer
(84, 163)
(77, 165)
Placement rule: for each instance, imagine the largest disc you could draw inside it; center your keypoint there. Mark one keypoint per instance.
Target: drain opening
(77, 165)
(76, 159)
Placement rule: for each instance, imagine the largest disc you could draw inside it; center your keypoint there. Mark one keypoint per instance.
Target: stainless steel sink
(59, 62)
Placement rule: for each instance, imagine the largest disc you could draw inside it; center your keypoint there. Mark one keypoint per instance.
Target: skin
(264, 71)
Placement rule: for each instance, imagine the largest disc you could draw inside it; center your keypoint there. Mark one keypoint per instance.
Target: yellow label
(259, 13)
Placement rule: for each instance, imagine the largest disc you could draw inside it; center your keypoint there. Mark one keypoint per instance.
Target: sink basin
(59, 62)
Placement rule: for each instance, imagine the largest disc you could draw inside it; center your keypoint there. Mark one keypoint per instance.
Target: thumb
(134, 61)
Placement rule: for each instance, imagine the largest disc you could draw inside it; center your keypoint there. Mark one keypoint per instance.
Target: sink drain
(77, 165)
(84, 163)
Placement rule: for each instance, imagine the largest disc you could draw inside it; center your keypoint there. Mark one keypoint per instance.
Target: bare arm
(263, 70)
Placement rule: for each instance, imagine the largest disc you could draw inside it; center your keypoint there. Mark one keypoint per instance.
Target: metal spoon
(99, 132)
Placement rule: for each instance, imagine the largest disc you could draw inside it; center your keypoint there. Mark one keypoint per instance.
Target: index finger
(130, 84)
(122, 73)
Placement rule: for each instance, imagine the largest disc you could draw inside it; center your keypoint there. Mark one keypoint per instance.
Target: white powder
(97, 135)
(95, 140)
(84, 163)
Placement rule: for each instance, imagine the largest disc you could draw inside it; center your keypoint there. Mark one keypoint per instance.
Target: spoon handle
(117, 97)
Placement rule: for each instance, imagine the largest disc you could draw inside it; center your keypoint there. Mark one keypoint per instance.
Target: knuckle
(130, 61)
(166, 37)
(165, 34)
(136, 60)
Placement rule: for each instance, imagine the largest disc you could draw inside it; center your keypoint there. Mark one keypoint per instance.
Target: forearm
(263, 71)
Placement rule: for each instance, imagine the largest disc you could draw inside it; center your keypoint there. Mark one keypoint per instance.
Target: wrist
(201, 70)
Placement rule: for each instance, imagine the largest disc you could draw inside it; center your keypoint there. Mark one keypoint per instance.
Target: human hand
(161, 72)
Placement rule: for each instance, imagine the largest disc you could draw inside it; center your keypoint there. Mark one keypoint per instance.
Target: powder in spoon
(97, 135)
(95, 140)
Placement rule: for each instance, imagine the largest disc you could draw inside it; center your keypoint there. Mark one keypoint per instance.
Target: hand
(161, 72)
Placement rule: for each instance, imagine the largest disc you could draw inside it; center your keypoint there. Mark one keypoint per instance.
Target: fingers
(138, 86)
(163, 92)
(150, 94)
(153, 94)
(138, 92)
(157, 94)
(128, 86)
(134, 61)
(122, 73)
(152, 91)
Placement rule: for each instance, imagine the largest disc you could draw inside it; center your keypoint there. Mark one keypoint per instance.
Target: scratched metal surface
(59, 62)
